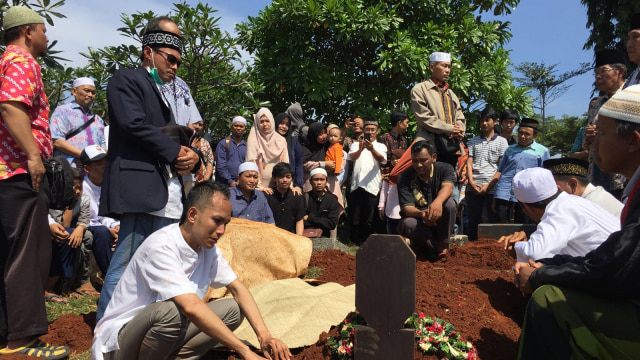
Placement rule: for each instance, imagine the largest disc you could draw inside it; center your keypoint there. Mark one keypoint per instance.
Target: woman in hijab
(314, 152)
(265, 147)
(294, 149)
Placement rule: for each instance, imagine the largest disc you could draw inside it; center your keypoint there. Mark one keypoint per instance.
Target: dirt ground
(472, 289)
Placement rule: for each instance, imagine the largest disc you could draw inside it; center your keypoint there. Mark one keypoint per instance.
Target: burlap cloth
(296, 312)
(259, 252)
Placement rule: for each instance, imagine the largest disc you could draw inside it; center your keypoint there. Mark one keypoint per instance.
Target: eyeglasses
(172, 60)
(602, 71)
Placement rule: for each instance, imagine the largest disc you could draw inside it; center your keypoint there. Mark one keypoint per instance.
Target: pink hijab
(265, 148)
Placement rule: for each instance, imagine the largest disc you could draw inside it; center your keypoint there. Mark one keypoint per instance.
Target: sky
(549, 31)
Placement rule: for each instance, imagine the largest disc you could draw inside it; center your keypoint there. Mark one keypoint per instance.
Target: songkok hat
(635, 22)
(161, 38)
(370, 121)
(92, 153)
(317, 171)
(534, 184)
(83, 81)
(528, 122)
(246, 166)
(609, 56)
(623, 105)
(239, 119)
(20, 15)
(440, 57)
(567, 166)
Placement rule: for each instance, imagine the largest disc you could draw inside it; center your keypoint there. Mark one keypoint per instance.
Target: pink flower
(421, 315)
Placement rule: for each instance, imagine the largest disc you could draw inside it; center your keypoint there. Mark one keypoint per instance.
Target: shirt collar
(75, 105)
(495, 135)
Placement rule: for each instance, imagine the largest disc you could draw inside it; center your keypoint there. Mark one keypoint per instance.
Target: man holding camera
(367, 156)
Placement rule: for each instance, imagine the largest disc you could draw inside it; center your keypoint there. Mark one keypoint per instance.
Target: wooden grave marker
(386, 297)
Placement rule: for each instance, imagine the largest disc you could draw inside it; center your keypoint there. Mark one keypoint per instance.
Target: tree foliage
(211, 64)
(549, 86)
(45, 9)
(338, 57)
(609, 22)
(562, 132)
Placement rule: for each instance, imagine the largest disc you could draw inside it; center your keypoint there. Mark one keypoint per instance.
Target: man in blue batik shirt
(527, 153)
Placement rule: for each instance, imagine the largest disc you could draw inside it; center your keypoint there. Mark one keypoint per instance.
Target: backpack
(227, 144)
(58, 173)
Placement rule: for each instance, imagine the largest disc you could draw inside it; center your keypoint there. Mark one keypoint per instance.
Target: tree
(609, 22)
(562, 132)
(45, 9)
(363, 56)
(549, 86)
(211, 64)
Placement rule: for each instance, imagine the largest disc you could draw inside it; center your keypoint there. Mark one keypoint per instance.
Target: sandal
(60, 300)
(41, 349)
(88, 292)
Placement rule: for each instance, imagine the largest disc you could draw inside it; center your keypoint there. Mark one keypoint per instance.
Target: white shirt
(93, 192)
(570, 225)
(173, 209)
(602, 197)
(163, 267)
(366, 170)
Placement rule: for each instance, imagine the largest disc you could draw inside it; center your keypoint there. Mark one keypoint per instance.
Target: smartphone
(367, 136)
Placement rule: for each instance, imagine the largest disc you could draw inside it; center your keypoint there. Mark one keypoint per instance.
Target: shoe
(40, 349)
(50, 298)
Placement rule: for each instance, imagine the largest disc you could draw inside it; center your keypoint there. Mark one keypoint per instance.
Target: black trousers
(363, 207)
(25, 257)
(508, 212)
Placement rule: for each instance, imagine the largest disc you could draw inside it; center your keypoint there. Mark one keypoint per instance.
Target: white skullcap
(246, 166)
(239, 119)
(317, 171)
(533, 185)
(440, 57)
(623, 105)
(83, 81)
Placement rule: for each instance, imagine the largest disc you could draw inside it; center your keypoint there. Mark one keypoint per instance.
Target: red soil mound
(472, 289)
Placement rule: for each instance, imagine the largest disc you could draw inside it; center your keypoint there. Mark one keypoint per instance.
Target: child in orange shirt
(334, 152)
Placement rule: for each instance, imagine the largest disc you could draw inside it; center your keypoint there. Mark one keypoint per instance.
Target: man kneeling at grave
(588, 307)
(571, 177)
(566, 224)
(157, 309)
(424, 191)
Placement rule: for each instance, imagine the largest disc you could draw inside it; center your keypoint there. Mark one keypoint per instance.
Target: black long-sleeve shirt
(323, 212)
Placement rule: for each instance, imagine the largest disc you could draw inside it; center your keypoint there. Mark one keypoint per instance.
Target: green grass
(83, 305)
(313, 272)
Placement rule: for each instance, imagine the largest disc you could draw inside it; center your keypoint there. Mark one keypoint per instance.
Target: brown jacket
(426, 103)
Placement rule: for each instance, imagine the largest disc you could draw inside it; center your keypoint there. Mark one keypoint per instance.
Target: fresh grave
(471, 289)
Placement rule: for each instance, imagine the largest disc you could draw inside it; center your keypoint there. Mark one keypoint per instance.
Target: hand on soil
(273, 348)
(509, 240)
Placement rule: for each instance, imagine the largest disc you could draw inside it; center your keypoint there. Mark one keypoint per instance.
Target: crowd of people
(148, 213)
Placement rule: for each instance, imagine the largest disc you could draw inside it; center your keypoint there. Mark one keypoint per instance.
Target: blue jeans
(134, 228)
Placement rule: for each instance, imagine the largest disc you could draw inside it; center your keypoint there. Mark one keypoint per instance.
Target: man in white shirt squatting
(157, 309)
(566, 224)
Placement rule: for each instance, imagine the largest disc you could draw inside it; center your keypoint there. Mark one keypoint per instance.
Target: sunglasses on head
(172, 60)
